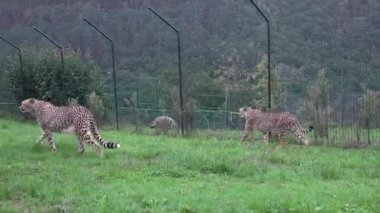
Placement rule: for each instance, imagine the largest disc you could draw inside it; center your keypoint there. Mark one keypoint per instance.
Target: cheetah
(53, 118)
(277, 123)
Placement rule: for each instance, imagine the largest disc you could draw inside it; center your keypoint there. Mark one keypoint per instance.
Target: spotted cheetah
(53, 118)
(277, 123)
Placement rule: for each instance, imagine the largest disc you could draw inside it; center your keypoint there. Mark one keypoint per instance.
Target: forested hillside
(223, 41)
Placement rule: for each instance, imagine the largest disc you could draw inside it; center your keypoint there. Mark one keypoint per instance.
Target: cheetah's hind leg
(89, 138)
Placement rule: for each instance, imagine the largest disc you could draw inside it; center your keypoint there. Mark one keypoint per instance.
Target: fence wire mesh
(312, 76)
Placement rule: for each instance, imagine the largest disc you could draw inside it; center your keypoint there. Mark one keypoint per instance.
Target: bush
(43, 77)
(316, 107)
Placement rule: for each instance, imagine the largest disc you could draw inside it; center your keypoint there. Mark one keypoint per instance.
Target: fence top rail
(8, 103)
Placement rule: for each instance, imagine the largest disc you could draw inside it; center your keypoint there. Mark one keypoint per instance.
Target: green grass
(173, 174)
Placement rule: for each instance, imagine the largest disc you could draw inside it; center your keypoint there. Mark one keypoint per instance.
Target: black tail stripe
(110, 145)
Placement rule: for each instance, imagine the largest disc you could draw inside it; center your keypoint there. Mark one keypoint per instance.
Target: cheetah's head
(244, 111)
(153, 124)
(247, 112)
(28, 105)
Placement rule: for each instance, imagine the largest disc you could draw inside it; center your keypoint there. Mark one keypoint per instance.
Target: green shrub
(43, 78)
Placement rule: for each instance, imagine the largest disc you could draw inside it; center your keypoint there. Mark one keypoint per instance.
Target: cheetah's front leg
(80, 145)
(266, 137)
(48, 134)
(245, 136)
(42, 138)
(281, 138)
(157, 131)
(247, 129)
(302, 137)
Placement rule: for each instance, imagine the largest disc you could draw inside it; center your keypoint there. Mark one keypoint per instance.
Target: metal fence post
(268, 49)
(157, 101)
(179, 60)
(137, 93)
(53, 42)
(56, 44)
(113, 67)
(226, 101)
(20, 59)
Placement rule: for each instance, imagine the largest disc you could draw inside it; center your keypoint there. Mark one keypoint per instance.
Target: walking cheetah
(53, 118)
(277, 123)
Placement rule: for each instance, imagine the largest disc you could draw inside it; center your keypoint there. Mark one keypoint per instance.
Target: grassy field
(171, 174)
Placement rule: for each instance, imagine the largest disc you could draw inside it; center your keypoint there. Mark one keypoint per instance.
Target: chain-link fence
(345, 119)
(325, 74)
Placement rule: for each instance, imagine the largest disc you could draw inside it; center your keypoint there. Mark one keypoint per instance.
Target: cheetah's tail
(108, 145)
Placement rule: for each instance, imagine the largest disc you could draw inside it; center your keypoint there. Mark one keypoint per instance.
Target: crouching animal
(163, 124)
